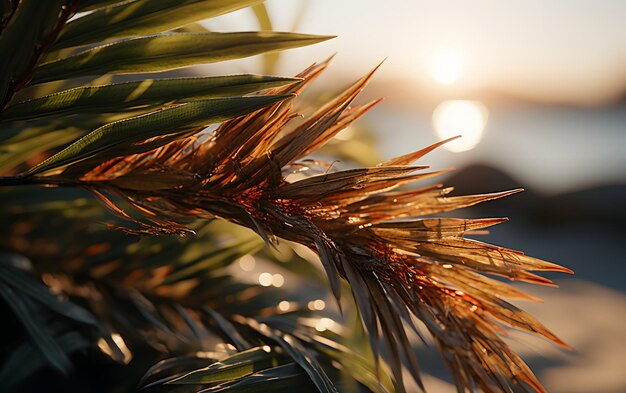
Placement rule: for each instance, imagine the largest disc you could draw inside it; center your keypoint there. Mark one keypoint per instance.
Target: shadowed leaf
(39, 332)
(233, 367)
(30, 25)
(281, 379)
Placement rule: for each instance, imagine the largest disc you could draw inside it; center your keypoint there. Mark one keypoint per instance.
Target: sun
(446, 66)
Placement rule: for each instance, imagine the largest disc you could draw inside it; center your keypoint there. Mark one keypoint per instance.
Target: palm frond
(78, 111)
(398, 265)
(70, 46)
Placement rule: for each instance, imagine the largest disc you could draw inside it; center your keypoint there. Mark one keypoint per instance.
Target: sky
(536, 88)
(566, 51)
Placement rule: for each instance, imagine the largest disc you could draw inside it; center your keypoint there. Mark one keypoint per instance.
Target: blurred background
(538, 91)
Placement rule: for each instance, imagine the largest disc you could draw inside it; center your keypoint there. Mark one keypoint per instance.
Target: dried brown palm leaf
(399, 266)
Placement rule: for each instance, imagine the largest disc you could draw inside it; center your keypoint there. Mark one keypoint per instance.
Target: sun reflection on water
(459, 117)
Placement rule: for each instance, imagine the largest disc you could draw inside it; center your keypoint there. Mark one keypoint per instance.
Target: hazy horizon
(570, 52)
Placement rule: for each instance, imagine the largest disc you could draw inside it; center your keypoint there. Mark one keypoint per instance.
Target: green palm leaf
(122, 96)
(169, 51)
(174, 120)
(142, 17)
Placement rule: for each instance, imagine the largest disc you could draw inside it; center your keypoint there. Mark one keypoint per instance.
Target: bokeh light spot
(457, 117)
(265, 279)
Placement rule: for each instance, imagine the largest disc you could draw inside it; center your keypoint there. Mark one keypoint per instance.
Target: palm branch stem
(67, 10)
(21, 180)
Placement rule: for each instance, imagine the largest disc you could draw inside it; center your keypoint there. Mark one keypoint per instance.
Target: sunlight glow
(265, 279)
(224, 347)
(204, 354)
(247, 263)
(446, 66)
(121, 345)
(324, 324)
(284, 305)
(278, 280)
(457, 117)
(318, 305)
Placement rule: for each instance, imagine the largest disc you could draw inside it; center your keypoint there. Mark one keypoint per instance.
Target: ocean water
(552, 149)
